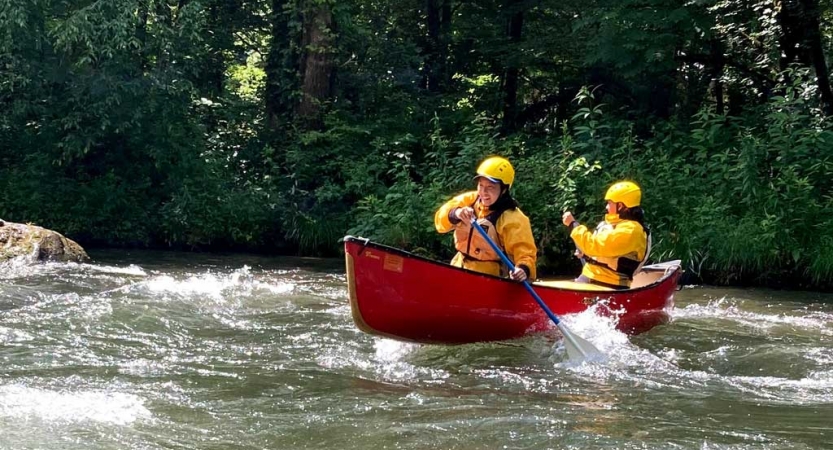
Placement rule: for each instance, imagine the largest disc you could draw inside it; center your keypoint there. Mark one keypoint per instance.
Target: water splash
(661, 370)
(239, 282)
(597, 325)
(23, 402)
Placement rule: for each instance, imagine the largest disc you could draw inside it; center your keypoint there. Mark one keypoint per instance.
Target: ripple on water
(791, 320)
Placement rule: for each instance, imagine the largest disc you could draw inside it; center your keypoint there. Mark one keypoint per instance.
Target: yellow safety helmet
(497, 169)
(625, 192)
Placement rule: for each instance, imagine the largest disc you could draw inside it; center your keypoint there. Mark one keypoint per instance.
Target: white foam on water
(67, 305)
(389, 363)
(390, 350)
(8, 335)
(724, 308)
(204, 285)
(117, 408)
(238, 282)
(28, 266)
(129, 270)
(821, 356)
(814, 389)
(342, 311)
(280, 288)
(25, 266)
(599, 330)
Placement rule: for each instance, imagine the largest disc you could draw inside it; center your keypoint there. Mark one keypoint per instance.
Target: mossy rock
(39, 244)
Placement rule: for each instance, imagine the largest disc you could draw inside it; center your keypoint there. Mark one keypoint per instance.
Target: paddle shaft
(511, 266)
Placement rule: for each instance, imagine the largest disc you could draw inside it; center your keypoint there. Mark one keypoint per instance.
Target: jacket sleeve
(610, 243)
(441, 221)
(516, 234)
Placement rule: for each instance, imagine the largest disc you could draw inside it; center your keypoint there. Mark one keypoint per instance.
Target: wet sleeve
(441, 221)
(516, 235)
(610, 243)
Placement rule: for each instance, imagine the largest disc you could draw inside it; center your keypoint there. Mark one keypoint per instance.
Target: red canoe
(402, 296)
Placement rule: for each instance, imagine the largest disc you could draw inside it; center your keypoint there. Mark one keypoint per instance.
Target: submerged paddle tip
(578, 349)
(592, 357)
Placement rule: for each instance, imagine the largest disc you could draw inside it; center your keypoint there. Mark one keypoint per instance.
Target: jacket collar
(612, 218)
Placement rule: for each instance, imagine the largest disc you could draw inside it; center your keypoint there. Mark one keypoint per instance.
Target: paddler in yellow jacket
(498, 214)
(619, 245)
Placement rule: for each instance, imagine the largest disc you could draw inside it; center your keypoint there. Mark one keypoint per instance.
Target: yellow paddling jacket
(614, 251)
(511, 232)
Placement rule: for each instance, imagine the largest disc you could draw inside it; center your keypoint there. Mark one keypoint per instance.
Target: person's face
(488, 191)
(611, 207)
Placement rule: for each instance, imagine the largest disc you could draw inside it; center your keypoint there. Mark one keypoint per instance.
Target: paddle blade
(577, 347)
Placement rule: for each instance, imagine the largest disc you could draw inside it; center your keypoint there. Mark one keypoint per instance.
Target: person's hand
(465, 214)
(567, 218)
(578, 254)
(518, 274)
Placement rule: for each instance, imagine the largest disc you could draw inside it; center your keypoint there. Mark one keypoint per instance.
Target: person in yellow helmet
(615, 251)
(498, 213)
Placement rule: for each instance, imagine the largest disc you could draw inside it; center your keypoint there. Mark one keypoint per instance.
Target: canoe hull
(402, 296)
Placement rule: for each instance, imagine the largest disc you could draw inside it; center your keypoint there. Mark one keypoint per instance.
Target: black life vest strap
(626, 266)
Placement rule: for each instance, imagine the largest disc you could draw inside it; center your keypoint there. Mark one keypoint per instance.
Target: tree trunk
(316, 64)
(717, 65)
(789, 15)
(142, 33)
(445, 44)
(279, 82)
(512, 72)
(816, 51)
(436, 75)
(801, 43)
(431, 76)
(220, 21)
(164, 16)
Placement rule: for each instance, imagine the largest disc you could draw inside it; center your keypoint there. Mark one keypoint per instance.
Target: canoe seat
(571, 285)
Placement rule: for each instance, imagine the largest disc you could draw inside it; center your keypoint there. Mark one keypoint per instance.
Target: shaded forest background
(280, 126)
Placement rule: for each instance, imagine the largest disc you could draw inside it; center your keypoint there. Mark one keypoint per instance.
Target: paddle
(577, 348)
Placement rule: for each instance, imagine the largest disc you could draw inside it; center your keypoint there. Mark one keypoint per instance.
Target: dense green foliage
(281, 126)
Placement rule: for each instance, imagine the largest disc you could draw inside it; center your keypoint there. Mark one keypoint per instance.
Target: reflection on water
(166, 350)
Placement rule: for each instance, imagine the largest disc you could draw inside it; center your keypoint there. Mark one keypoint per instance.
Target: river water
(156, 350)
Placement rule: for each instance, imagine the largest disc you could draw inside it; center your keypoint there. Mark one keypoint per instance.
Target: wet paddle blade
(577, 347)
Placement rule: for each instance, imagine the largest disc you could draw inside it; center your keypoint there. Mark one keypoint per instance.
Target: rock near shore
(18, 240)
